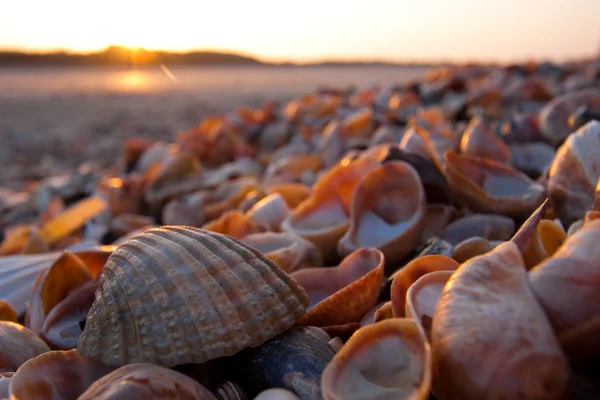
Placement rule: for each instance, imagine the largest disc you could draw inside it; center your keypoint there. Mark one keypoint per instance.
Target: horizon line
(296, 61)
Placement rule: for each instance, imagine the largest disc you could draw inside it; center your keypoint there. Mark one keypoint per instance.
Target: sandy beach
(54, 120)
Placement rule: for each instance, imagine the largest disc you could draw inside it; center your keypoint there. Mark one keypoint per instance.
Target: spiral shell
(179, 295)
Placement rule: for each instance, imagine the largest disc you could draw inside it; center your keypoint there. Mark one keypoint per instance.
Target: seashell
(555, 115)
(62, 325)
(532, 158)
(269, 212)
(470, 248)
(44, 377)
(323, 218)
(491, 337)
(293, 360)
(414, 141)
(250, 200)
(228, 197)
(230, 391)
(487, 226)
(290, 169)
(336, 344)
(5, 378)
(289, 252)
(393, 219)
(572, 271)
(144, 381)
(7, 312)
(437, 217)
(276, 394)
(575, 226)
(235, 224)
(275, 135)
(433, 181)
(369, 317)
(387, 360)
(241, 169)
(343, 331)
(53, 285)
(487, 186)
(17, 345)
(355, 293)
(199, 265)
(321, 283)
(292, 193)
(122, 195)
(422, 297)
(386, 134)
(480, 141)
(133, 149)
(153, 155)
(407, 276)
(24, 239)
(547, 238)
(574, 173)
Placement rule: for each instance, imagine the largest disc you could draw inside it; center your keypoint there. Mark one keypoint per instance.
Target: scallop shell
(146, 381)
(574, 173)
(573, 272)
(323, 218)
(211, 296)
(407, 276)
(487, 226)
(387, 360)
(356, 293)
(487, 186)
(491, 338)
(480, 141)
(45, 376)
(387, 212)
(289, 252)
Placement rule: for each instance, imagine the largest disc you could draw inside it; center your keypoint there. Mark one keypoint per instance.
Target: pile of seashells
(438, 239)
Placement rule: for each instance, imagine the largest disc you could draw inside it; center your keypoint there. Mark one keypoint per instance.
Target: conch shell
(572, 272)
(574, 173)
(179, 295)
(487, 186)
(390, 359)
(491, 338)
(387, 211)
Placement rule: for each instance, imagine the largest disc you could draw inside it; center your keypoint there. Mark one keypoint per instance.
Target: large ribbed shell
(178, 295)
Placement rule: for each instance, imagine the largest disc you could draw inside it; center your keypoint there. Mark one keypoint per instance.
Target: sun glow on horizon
(313, 29)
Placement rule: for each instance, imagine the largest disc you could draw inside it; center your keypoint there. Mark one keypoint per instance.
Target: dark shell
(293, 360)
(434, 183)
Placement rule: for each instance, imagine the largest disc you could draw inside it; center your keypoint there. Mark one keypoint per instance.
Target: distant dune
(123, 56)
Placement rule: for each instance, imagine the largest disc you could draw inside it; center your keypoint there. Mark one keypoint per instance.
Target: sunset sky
(307, 30)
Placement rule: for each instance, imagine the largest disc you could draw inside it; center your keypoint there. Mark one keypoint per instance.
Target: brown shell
(179, 295)
(17, 345)
(390, 359)
(491, 338)
(487, 186)
(487, 226)
(146, 381)
(387, 211)
(56, 375)
(480, 141)
(574, 173)
(573, 273)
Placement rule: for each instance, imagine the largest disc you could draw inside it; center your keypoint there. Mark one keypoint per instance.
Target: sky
(310, 30)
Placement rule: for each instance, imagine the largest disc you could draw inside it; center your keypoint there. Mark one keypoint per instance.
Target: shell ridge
(223, 307)
(197, 304)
